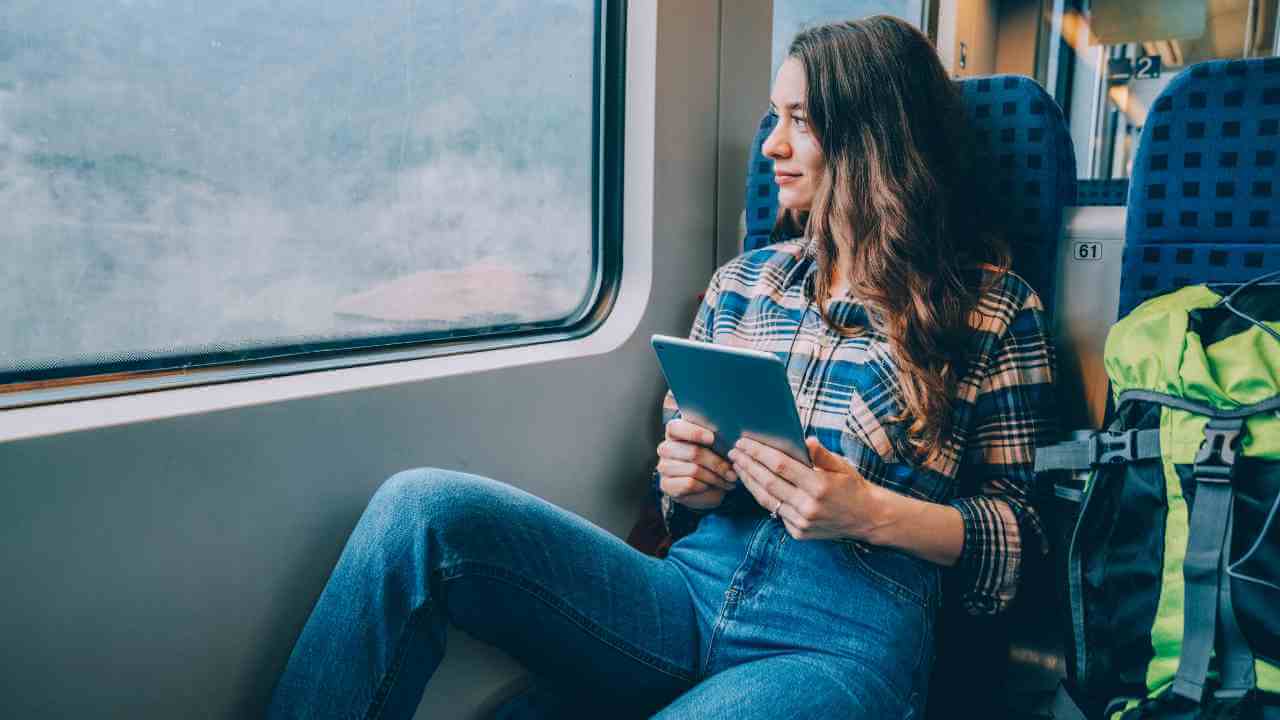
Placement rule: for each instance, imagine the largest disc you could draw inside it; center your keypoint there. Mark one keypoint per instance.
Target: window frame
(65, 383)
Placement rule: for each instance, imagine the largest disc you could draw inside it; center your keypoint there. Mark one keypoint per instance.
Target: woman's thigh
(571, 601)
(799, 685)
(871, 607)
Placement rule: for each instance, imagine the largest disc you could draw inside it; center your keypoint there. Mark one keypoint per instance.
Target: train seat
(1202, 198)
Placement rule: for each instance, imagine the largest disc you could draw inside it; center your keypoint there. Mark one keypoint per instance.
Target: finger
(697, 454)
(824, 458)
(712, 494)
(797, 527)
(701, 501)
(757, 490)
(680, 468)
(777, 462)
(677, 486)
(681, 429)
(707, 458)
(677, 450)
(772, 486)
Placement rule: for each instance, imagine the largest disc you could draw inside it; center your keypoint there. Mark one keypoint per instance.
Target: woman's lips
(784, 178)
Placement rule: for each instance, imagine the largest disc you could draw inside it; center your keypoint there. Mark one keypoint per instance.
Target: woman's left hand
(829, 500)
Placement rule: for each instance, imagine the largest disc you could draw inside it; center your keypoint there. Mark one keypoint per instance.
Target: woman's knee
(431, 494)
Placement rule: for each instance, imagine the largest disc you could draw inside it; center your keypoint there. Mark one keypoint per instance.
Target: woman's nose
(775, 145)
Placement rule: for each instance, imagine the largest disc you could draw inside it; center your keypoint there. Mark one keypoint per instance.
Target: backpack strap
(1099, 448)
(1202, 569)
(1235, 663)
(1239, 413)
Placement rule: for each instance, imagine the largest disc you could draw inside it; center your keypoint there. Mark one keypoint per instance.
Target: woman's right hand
(690, 472)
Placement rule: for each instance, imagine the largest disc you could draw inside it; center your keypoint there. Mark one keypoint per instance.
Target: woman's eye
(800, 122)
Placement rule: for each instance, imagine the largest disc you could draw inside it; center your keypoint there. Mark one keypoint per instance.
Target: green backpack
(1173, 567)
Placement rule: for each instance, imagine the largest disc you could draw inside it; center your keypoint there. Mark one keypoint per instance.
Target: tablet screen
(734, 392)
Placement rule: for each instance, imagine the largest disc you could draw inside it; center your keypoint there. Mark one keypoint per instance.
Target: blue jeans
(739, 621)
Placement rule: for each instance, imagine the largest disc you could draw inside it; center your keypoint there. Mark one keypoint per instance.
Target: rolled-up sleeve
(1013, 413)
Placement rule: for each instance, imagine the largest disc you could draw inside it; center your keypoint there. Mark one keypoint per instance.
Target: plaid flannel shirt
(846, 389)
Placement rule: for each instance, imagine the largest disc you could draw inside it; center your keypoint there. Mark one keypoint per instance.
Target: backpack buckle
(1114, 447)
(1217, 456)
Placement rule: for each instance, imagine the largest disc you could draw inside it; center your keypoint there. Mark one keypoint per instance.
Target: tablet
(733, 392)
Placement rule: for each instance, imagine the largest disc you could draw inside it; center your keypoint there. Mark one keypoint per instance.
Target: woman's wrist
(878, 519)
(925, 529)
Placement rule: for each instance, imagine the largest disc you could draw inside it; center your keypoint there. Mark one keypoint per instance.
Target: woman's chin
(798, 207)
(791, 200)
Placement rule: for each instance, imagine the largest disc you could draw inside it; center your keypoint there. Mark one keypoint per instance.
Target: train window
(1122, 57)
(789, 16)
(188, 184)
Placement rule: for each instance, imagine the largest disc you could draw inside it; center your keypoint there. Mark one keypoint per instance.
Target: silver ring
(774, 514)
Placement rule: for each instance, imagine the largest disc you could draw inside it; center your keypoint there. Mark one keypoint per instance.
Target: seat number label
(1086, 251)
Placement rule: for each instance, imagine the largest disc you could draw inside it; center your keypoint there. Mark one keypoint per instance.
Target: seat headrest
(1201, 195)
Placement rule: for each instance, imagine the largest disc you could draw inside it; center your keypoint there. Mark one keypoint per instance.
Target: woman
(919, 366)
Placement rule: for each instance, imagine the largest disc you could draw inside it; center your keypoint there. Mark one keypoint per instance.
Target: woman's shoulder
(786, 252)
(766, 268)
(1002, 294)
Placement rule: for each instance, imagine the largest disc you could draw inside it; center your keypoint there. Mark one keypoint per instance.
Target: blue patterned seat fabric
(1024, 145)
(1101, 193)
(1202, 203)
(762, 191)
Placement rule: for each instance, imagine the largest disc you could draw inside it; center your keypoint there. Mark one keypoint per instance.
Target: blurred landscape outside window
(186, 177)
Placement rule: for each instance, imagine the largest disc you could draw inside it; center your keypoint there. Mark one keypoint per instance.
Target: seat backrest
(1023, 145)
(1202, 202)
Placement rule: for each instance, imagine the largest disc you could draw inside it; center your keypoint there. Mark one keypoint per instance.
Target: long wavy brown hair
(898, 195)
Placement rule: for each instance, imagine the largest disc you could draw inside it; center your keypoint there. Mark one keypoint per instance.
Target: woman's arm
(924, 529)
(1013, 413)
(985, 530)
(833, 500)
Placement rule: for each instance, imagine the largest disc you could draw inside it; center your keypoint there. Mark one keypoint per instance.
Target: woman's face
(797, 157)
